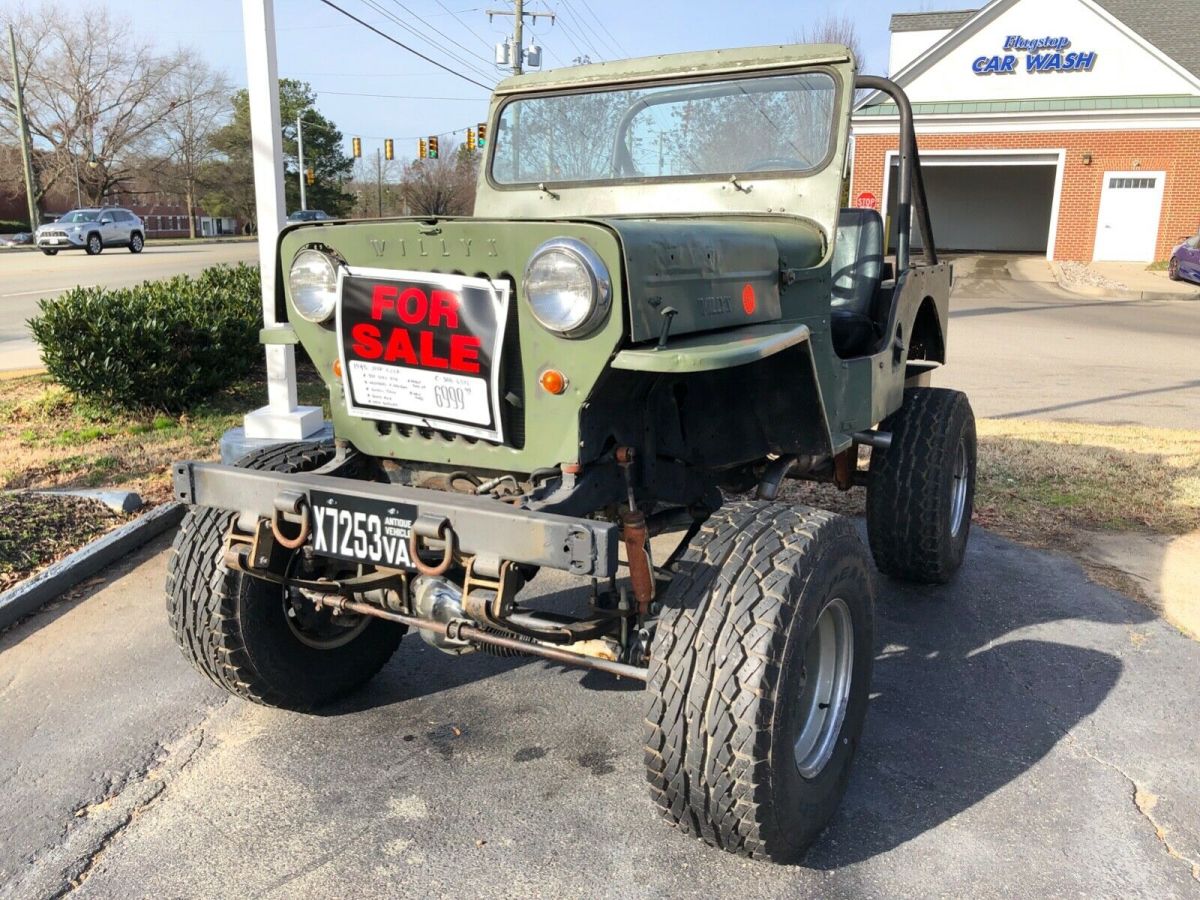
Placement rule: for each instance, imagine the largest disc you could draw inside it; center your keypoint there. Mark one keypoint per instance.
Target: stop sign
(866, 200)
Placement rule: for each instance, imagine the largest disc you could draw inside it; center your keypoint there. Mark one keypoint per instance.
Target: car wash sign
(1041, 55)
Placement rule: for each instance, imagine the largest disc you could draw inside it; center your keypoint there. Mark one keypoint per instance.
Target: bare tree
(95, 95)
(835, 29)
(199, 109)
(444, 186)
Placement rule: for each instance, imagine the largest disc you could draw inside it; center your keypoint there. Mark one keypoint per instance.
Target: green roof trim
(1074, 104)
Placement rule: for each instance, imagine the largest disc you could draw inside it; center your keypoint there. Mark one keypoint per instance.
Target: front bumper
(481, 525)
(65, 241)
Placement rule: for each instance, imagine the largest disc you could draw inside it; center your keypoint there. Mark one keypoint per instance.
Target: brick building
(1064, 127)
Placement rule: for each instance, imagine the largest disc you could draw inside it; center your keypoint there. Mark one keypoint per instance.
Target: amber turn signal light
(337, 368)
(553, 381)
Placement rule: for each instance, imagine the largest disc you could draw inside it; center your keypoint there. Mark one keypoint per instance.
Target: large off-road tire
(243, 632)
(921, 489)
(759, 677)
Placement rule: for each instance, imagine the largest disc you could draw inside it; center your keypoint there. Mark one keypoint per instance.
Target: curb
(33, 593)
(1120, 293)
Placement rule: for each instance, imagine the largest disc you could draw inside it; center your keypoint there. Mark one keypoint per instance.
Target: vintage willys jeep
(658, 307)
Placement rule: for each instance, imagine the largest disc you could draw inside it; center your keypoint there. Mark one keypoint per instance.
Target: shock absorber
(636, 537)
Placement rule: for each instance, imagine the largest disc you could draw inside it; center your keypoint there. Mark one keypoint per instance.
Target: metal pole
(379, 180)
(282, 418)
(23, 130)
(518, 38)
(300, 159)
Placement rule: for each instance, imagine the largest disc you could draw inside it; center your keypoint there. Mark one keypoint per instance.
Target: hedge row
(160, 345)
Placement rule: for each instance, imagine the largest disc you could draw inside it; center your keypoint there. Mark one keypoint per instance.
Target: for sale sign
(423, 349)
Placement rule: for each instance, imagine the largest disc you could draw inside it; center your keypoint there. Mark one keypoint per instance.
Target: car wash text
(1044, 54)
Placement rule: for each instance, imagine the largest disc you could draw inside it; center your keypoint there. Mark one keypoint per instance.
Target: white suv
(92, 230)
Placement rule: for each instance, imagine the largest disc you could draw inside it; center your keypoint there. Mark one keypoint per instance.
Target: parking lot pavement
(27, 277)
(1021, 347)
(1031, 734)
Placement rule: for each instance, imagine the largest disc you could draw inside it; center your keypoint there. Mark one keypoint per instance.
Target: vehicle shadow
(968, 692)
(966, 697)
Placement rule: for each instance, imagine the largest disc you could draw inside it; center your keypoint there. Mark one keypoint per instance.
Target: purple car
(1185, 260)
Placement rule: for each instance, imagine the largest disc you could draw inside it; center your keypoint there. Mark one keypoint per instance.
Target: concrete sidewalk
(1128, 281)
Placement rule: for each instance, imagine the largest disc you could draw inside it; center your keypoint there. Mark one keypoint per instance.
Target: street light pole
(23, 131)
(379, 179)
(300, 158)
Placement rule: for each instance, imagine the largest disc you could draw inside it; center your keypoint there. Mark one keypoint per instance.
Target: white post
(300, 159)
(281, 418)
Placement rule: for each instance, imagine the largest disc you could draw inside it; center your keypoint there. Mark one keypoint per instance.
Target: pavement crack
(97, 825)
(1144, 801)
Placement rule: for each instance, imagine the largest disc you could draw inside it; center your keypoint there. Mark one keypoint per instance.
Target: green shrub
(14, 226)
(161, 345)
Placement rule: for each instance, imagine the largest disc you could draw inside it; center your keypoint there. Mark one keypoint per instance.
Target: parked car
(91, 230)
(309, 215)
(1185, 260)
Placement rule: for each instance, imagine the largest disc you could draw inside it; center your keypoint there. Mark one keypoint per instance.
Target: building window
(1132, 183)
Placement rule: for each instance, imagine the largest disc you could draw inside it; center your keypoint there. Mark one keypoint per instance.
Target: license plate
(361, 530)
(423, 349)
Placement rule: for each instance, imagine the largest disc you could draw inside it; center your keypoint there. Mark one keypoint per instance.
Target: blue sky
(340, 58)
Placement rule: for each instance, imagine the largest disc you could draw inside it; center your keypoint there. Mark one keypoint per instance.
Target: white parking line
(46, 291)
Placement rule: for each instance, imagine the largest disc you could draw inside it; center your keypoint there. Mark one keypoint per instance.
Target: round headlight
(313, 283)
(567, 287)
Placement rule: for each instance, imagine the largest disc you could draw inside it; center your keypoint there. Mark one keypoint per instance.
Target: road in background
(1022, 347)
(27, 277)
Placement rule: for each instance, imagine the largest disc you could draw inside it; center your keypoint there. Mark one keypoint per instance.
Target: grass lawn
(55, 440)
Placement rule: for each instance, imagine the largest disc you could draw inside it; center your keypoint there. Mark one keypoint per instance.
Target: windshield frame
(680, 82)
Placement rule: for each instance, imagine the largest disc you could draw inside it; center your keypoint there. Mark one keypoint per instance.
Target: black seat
(857, 269)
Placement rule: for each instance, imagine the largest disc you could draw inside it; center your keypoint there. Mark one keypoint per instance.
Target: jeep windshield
(779, 124)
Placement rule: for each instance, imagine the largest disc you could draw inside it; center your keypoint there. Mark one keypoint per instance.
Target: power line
(435, 30)
(404, 46)
(588, 31)
(397, 96)
(472, 31)
(570, 36)
(620, 48)
(470, 66)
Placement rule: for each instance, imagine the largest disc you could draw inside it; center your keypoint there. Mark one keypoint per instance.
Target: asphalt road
(1024, 348)
(1030, 734)
(27, 277)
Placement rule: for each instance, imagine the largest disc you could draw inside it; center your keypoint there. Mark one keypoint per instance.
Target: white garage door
(1127, 227)
(989, 203)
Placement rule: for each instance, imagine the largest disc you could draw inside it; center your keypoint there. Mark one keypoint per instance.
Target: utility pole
(23, 130)
(379, 179)
(300, 158)
(517, 48)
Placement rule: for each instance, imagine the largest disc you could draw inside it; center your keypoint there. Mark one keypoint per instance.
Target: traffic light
(433, 154)
(356, 144)
(387, 149)
(481, 141)
(470, 140)
(421, 148)
(310, 176)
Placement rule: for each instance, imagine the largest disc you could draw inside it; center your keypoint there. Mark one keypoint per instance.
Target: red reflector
(749, 304)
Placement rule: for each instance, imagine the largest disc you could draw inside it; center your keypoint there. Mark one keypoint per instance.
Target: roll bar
(911, 187)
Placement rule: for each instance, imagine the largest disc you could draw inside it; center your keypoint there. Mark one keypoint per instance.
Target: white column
(281, 418)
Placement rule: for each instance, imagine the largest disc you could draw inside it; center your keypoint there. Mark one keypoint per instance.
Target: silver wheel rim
(828, 669)
(137, 243)
(93, 244)
(958, 488)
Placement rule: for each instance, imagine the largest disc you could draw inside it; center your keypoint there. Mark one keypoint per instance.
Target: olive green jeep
(658, 313)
